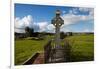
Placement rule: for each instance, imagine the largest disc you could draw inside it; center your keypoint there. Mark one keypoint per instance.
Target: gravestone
(57, 53)
(54, 52)
(57, 22)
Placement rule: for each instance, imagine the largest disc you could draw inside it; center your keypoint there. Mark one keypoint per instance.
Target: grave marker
(57, 21)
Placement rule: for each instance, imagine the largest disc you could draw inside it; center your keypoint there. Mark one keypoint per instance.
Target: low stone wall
(31, 59)
(47, 50)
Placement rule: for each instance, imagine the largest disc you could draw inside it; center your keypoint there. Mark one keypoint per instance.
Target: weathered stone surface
(57, 52)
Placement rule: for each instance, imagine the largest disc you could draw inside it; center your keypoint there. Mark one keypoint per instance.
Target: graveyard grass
(27, 47)
(82, 48)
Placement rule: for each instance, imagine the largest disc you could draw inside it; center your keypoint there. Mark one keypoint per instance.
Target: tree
(29, 31)
(70, 33)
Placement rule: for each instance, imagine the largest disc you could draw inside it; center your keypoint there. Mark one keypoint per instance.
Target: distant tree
(43, 33)
(29, 31)
(70, 33)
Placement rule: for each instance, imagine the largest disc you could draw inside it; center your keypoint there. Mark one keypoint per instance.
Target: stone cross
(57, 21)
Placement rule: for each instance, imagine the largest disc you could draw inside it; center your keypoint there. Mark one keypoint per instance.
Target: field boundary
(31, 59)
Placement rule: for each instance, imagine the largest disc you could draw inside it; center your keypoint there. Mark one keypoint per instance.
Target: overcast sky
(76, 19)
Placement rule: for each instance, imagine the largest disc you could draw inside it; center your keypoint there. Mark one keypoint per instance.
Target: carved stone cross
(57, 21)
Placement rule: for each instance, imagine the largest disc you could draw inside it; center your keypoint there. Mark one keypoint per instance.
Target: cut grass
(82, 47)
(27, 47)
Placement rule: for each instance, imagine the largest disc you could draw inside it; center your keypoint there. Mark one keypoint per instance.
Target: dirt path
(39, 59)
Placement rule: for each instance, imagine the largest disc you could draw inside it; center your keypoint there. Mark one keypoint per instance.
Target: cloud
(19, 30)
(83, 9)
(73, 11)
(18, 23)
(66, 29)
(21, 23)
(73, 18)
(69, 18)
(63, 12)
(50, 28)
(87, 30)
(25, 21)
(42, 26)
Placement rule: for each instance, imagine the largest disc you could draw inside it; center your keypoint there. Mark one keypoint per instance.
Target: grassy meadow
(25, 48)
(82, 48)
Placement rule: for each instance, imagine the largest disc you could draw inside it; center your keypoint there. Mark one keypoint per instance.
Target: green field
(82, 48)
(26, 47)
